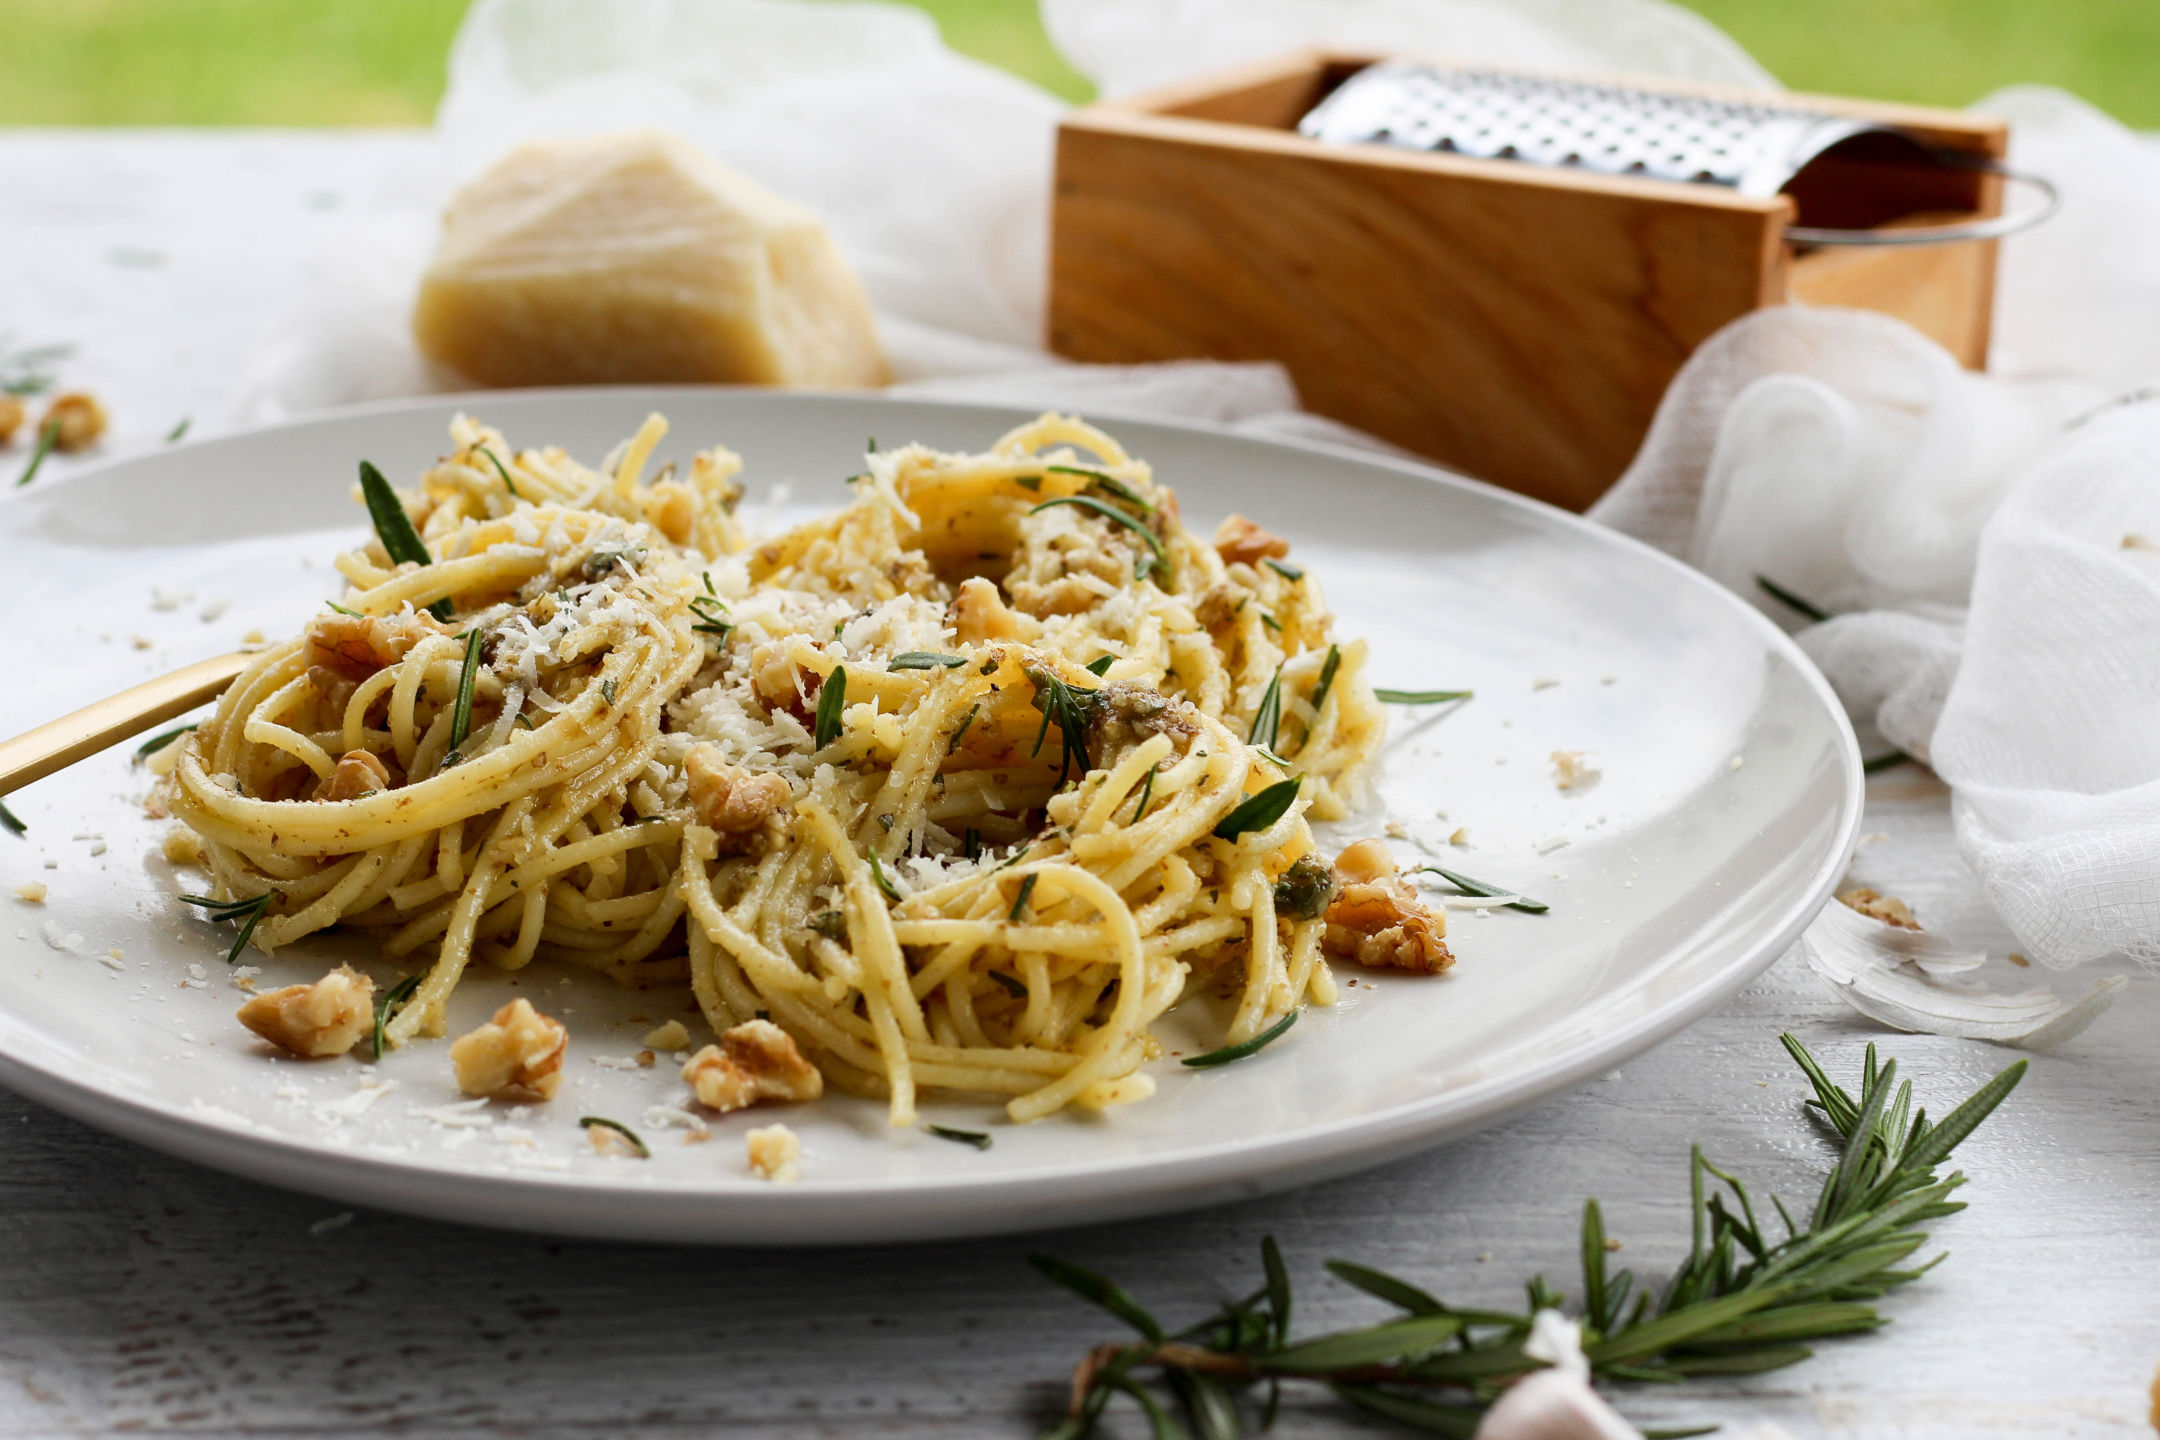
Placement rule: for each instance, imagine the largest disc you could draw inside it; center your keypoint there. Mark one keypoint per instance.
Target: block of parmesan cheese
(636, 257)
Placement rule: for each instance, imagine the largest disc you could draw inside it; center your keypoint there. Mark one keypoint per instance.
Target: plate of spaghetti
(676, 814)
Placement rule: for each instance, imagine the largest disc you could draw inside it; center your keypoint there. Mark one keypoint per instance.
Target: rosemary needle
(468, 678)
(1260, 810)
(48, 435)
(1239, 1051)
(1796, 603)
(975, 1138)
(1420, 697)
(832, 699)
(11, 822)
(158, 742)
(1517, 900)
(247, 913)
(392, 1002)
(395, 529)
(629, 1136)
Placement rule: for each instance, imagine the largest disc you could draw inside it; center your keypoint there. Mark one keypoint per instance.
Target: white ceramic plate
(1729, 800)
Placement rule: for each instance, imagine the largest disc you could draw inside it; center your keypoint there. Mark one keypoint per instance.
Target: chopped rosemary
(172, 436)
(1073, 710)
(395, 528)
(1155, 556)
(1284, 568)
(975, 1138)
(392, 1001)
(508, 483)
(11, 822)
(48, 435)
(965, 721)
(1267, 720)
(1028, 482)
(829, 923)
(1147, 792)
(1271, 622)
(884, 881)
(1110, 483)
(246, 913)
(1013, 987)
(1100, 665)
(158, 742)
(468, 677)
(1020, 901)
(924, 660)
(629, 1136)
(1327, 680)
(1478, 887)
(971, 843)
(1887, 760)
(1741, 1302)
(1790, 601)
(1259, 811)
(1239, 1051)
(831, 700)
(1420, 697)
(343, 611)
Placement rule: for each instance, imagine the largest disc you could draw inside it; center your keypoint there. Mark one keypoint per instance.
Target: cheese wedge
(636, 257)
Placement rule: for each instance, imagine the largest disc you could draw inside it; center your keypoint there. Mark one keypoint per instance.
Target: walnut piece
(325, 1018)
(1377, 919)
(671, 1035)
(1571, 771)
(775, 1154)
(754, 1061)
(11, 417)
(358, 773)
(518, 1052)
(31, 892)
(182, 846)
(1886, 908)
(743, 809)
(75, 420)
(356, 646)
(1239, 541)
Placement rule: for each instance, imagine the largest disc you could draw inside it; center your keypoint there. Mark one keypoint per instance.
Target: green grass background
(380, 62)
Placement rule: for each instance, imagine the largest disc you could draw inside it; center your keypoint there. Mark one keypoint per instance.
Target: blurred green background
(380, 62)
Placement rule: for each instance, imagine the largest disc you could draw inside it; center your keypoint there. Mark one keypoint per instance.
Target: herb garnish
(924, 660)
(247, 913)
(343, 611)
(884, 881)
(1740, 1304)
(1013, 987)
(508, 483)
(601, 1122)
(395, 528)
(965, 721)
(11, 822)
(1259, 811)
(1147, 790)
(1883, 761)
(1073, 710)
(1327, 680)
(1478, 887)
(392, 1002)
(1420, 697)
(971, 843)
(1020, 901)
(1267, 720)
(48, 435)
(711, 611)
(25, 372)
(172, 437)
(1104, 508)
(1100, 665)
(1791, 601)
(158, 742)
(975, 1138)
(1106, 482)
(1244, 1048)
(831, 700)
(1283, 568)
(829, 923)
(468, 677)
(1305, 889)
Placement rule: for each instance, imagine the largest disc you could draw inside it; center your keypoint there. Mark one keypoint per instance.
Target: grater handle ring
(1994, 227)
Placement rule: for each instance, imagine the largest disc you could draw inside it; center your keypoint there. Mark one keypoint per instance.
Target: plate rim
(810, 1212)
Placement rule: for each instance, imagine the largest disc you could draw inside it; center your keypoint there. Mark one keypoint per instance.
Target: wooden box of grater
(1517, 322)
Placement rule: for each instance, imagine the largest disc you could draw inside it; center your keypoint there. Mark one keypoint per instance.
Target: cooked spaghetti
(962, 786)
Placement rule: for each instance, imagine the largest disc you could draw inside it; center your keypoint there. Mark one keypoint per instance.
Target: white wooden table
(141, 1294)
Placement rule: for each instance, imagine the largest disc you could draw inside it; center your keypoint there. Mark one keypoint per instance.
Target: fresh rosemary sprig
(924, 660)
(1420, 697)
(1072, 710)
(831, 700)
(711, 612)
(393, 1000)
(1516, 899)
(1259, 810)
(246, 913)
(1243, 1048)
(461, 712)
(1328, 667)
(1107, 483)
(159, 741)
(630, 1137)
(11, 822)
(1156, 556)
(1741, 1303)
(395, 528)
(1790, 601)
(1267, 720)
(975, 1138)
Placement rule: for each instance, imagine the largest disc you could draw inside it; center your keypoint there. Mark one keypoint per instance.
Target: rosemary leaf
(832, 699)
(1232, 1053)
(1101, 1290)
(601, 1122)
(392, 1001)
(1284, 568)
(1420, 697)
(48, 435)
(11, 822)
(924, 660)
(1267, 720)
(1147, 792)
(395, 528)
(1156, 554)
(1100, 665)
(1259, 811)
(173, 436)
(159, 741)
(1020, 901)
(247, 913)
(1105, 482)
(975, 1138)
(882, 880)
(1327, 680)
(1073, 711)
(1790, 601)
(1395, 1340)
(1478, 887)
(508, 483)
(468, 678)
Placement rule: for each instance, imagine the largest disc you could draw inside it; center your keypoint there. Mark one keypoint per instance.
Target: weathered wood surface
(142, 1295)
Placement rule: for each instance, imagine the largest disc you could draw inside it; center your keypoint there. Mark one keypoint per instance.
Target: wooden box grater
(1514, 321)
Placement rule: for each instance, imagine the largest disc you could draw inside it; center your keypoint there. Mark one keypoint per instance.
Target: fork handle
(57, 744)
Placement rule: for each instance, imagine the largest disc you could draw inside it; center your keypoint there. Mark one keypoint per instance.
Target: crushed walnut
(31, 892)
(1886, 908)
(671, 1035)
(1377, 919)
(519, 1052)
(74, 420)
(358, 774)
(1571, 771)
(325, 1018)
(11, 417)
(743, 809)
(754, 1061)
(353, 647)
(1239, 541)
(775, 1154)
(182, 846)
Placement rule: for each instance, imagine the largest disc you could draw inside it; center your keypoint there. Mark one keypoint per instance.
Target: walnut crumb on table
(1886, 908)
(31, 892)
(775, 1154)
(673, 1035)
